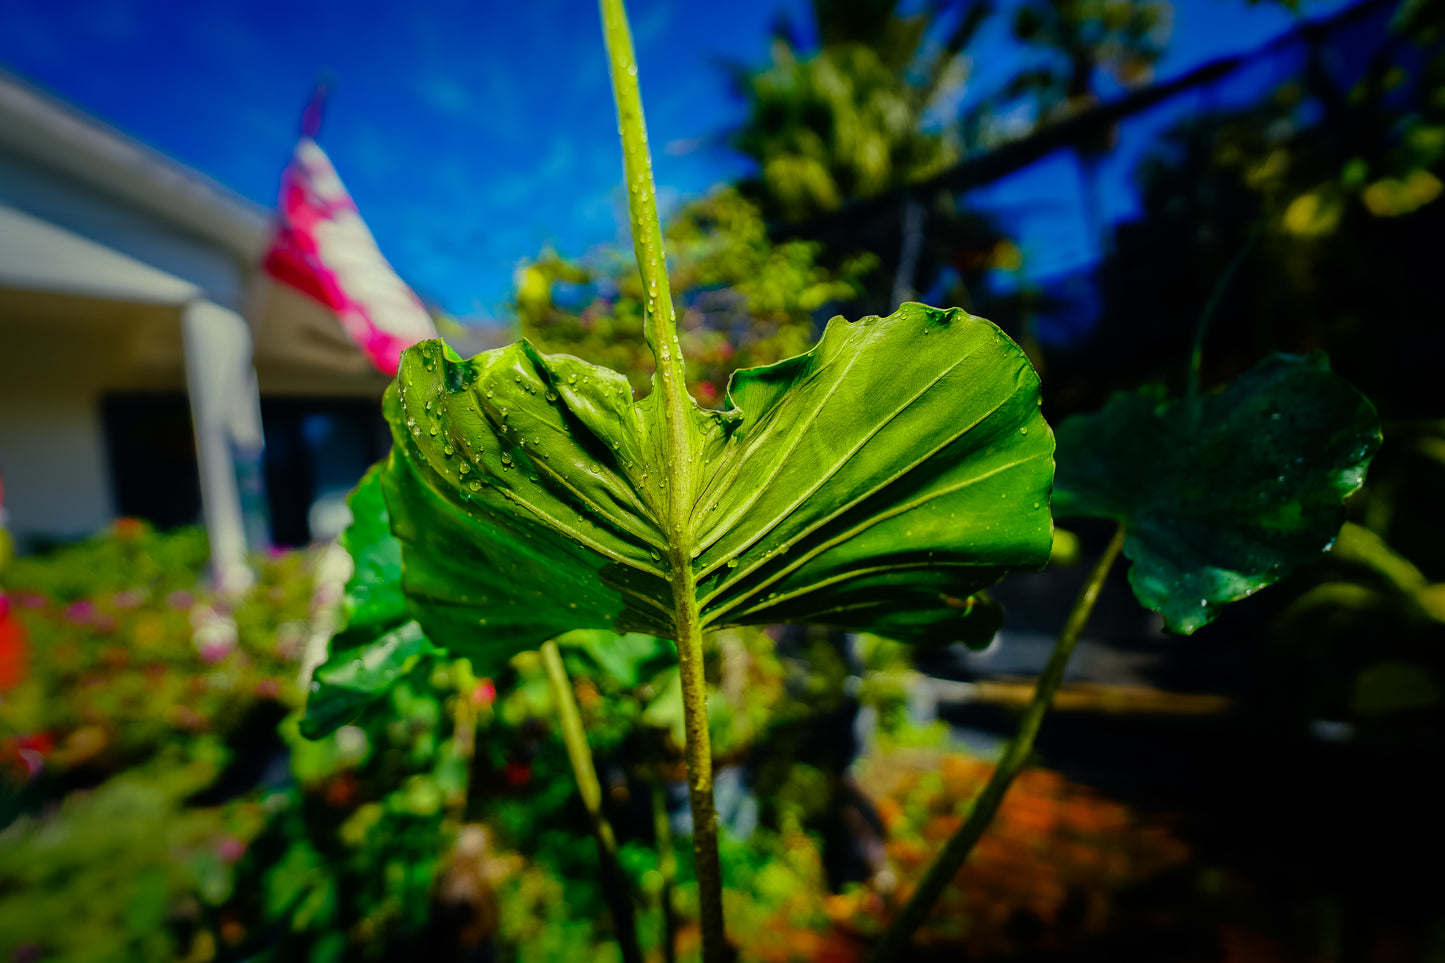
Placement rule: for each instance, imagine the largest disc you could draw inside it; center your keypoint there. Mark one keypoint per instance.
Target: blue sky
(471, 134)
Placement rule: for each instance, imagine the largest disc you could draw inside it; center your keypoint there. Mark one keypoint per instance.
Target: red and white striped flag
(324, 249)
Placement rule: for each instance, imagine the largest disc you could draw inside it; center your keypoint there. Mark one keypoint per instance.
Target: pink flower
(484, 694)
(128, 599)
(230, 849)
(213, 652)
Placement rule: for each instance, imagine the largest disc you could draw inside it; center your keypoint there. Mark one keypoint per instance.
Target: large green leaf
(1220, 502)
(875, 482)
(380, 642)
(373, 593)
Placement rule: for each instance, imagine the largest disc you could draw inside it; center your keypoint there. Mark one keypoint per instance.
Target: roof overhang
(37, 255)
(48, 131)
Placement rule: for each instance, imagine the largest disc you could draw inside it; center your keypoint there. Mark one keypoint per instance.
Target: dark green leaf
(875, 482)
(362, 668)
(1221, 502)
(380, 641)
(373, 593)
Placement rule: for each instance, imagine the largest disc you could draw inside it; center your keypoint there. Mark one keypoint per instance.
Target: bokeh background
(180, 422)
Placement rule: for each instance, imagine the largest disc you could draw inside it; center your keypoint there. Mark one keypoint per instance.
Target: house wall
(58, 356)
(53, 460)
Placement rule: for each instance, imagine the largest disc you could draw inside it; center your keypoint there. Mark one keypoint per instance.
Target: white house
(130, 292)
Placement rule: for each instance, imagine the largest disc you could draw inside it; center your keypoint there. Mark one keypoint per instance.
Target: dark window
(152, 452)
(316, 449)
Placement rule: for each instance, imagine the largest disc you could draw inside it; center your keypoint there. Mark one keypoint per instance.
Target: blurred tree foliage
(1081, 38)
(868, 112)
(858, 116)
(1329, 196)
(745, 299)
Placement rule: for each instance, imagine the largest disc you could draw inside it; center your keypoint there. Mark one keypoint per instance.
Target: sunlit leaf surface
(1221, 502)
(875, 482)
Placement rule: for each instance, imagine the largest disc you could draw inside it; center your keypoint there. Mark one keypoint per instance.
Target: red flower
(341, 791)
(27, 753)
(128, 529)
(13, 649)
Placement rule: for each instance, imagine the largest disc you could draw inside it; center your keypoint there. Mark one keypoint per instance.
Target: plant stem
(676, 456)
(660, 321)
(614, 881)
(982, 808)
(1211, 307)
(698, 754)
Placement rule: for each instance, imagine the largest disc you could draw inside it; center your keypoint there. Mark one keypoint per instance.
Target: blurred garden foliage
(223, 834)
(129, 656)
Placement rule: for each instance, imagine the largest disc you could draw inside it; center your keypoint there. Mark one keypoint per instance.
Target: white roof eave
(52, 133)
(36, 255)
